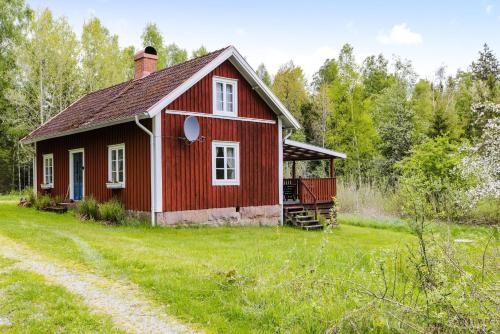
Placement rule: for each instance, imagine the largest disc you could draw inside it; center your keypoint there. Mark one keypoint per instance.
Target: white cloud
(400, 34)
(489, 8)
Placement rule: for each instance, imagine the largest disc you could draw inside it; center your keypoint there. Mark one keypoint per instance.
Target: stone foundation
(267, 215)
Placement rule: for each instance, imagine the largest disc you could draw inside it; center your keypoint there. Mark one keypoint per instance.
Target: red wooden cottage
(129, 141)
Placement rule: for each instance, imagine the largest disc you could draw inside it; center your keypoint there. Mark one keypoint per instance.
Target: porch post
(293, 169)
(280, 169)
(332, 168)
(35, 167)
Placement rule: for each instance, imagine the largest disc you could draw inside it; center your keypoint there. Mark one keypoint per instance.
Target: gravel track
(128, 308)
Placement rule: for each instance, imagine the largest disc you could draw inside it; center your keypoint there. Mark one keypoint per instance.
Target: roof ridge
(179, 64)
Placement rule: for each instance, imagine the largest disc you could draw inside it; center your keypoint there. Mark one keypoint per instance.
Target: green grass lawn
(226, 279)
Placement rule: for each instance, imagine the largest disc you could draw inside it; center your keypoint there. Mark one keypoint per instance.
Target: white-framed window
(225, 96)
(225, 163)
(116, 164)
(48, 170)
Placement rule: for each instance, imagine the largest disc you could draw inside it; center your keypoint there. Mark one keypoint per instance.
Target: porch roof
(296, 151)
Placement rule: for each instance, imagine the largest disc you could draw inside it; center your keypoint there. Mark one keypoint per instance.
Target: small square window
(225, 163)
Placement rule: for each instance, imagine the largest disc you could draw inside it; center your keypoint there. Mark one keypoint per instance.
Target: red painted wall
(135, 196)
(187, 169)
(199, 97)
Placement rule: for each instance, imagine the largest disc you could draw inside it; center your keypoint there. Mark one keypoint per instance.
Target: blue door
(77, 175)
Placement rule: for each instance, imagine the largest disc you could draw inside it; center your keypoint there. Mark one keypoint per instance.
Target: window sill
(226, 183)
(47, 186)
(115, 185)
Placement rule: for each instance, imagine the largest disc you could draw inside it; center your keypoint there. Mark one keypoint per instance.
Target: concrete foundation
(267, 215)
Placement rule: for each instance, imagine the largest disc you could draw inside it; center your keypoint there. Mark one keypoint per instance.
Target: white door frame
(71, 186)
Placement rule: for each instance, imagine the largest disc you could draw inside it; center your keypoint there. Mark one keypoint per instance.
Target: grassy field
(226, 279)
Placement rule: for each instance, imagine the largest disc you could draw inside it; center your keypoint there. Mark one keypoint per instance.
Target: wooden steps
(56, 209)
(297, 216)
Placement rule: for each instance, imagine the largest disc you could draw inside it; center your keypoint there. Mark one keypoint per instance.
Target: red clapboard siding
(135, 196)
(187, 169)
(199, 97)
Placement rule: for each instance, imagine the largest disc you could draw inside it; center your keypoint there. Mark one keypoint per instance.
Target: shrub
(88, 208)
(322, 220)
(31, 197)
(42, 202)
(432, 182)
(112, 211)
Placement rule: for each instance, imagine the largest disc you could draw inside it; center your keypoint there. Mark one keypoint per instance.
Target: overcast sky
(429, 33)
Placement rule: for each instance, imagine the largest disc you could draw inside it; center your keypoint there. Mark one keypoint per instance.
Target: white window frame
(110, 182)
(225, 82)
(48, 185)
(226, 182)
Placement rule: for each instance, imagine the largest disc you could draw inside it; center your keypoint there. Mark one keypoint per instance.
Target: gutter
(152, 165)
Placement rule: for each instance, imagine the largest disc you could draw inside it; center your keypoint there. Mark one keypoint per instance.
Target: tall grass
(367, 200)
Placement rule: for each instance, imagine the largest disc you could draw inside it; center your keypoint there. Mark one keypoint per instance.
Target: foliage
(87, 208)
(438, 286)
(289, 85)
(201, 51)
(431, 178)
(395, 126)
(333, 212)
(112, 211)
(483, 161)
(42, 202)
(103, 63)
(487, 67)
(168, 54)
(264, 75)
(14, 16)
(350, 127)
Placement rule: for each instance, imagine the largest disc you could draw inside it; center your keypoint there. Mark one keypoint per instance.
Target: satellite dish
(191, 128)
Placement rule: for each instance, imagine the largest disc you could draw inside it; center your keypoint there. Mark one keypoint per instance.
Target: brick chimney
(145, 62)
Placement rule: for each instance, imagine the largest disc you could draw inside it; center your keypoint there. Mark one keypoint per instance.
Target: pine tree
(487, 66)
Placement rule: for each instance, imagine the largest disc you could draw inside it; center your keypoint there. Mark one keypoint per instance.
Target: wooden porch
(302, 195)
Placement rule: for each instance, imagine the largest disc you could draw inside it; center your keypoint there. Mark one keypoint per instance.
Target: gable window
(48, 171)
(225, 96)
(225, 163)
(116, 166)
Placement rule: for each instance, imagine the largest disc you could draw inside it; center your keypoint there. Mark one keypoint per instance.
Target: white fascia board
(165, 101)
(245, 67)
(315, 148)
(282, 109)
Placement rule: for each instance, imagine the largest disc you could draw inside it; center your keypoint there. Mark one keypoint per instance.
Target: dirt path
(129, 310)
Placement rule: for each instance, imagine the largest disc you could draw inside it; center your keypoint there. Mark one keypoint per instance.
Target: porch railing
(319, 189)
